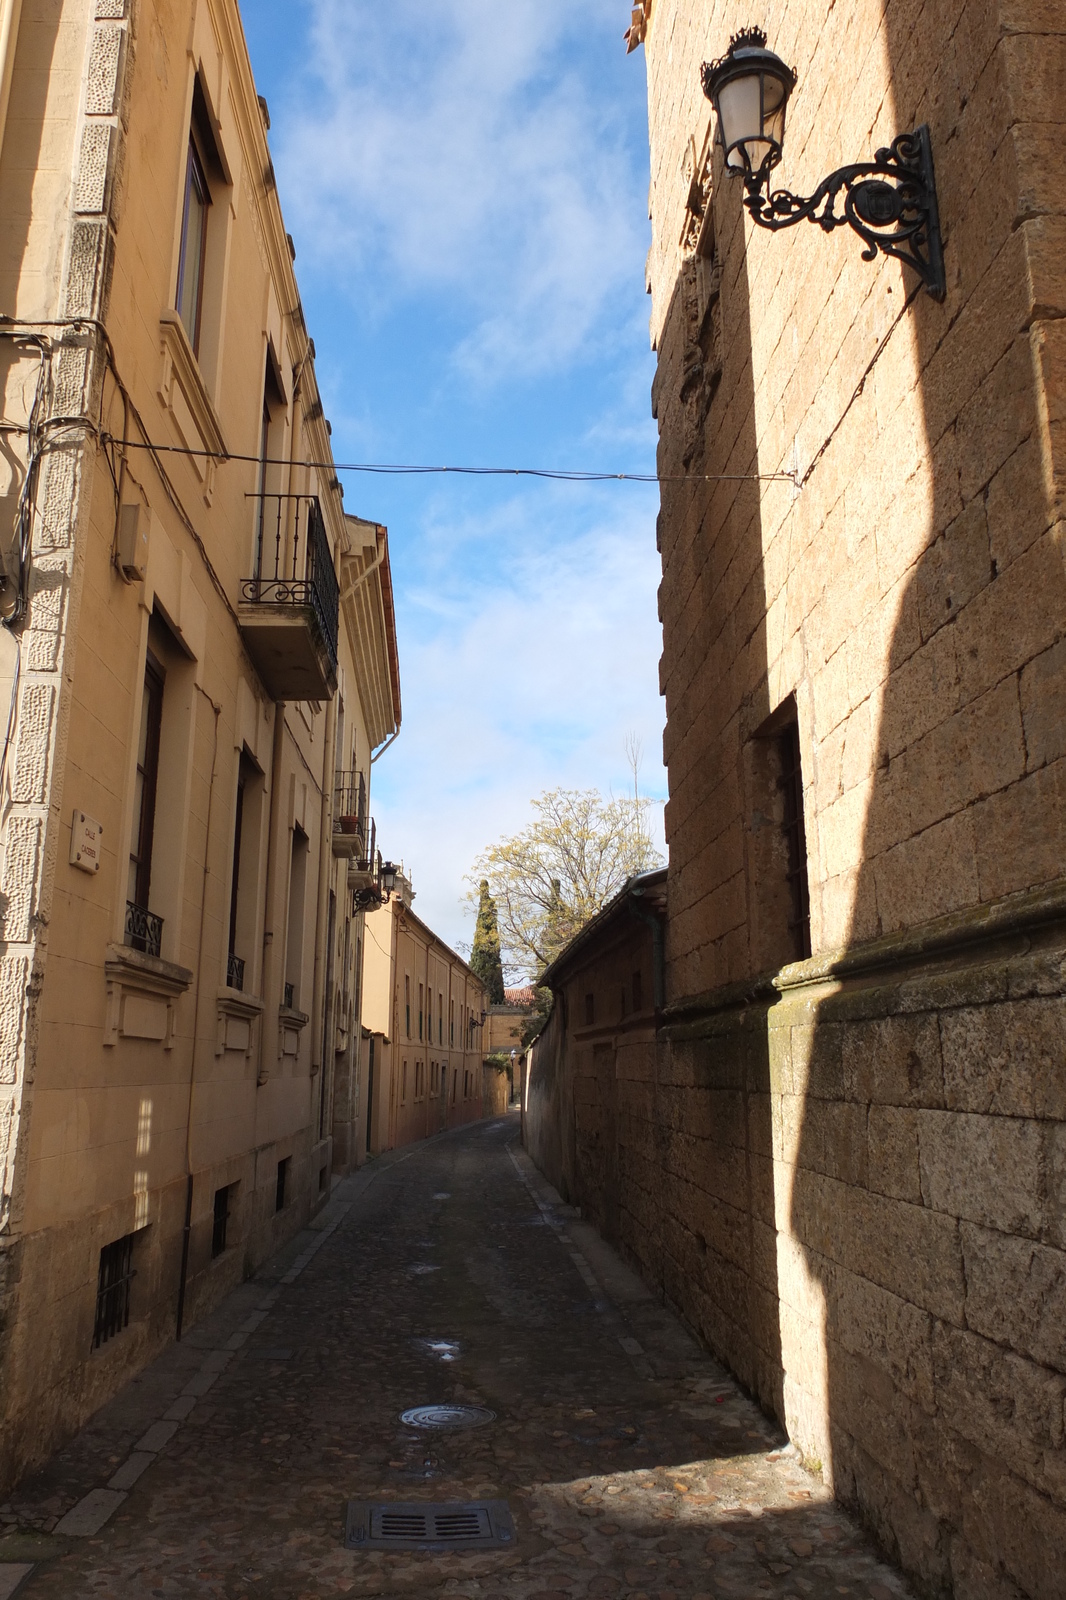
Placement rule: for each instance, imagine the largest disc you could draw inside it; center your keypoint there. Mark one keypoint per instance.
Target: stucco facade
(844, 1156)
(424, 1015)
(206, 652)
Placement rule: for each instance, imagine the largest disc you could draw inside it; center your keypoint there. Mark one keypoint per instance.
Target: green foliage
(534, 1023)
(485, 957)
(549, 880)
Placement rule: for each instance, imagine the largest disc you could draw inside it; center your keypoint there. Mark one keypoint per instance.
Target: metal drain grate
(469, 1525)
(448, 1417)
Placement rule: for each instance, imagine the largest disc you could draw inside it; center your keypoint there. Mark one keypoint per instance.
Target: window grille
(799, 921)
(113, 1290)
(218, 1237)
(144, 930)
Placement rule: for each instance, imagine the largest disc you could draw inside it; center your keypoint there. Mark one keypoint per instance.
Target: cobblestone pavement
(632, 1465)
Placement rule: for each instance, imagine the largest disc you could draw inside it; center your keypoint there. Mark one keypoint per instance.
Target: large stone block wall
(849, 1173)
(852, 1184)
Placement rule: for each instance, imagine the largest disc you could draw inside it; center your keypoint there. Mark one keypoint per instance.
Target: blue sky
(467, 188)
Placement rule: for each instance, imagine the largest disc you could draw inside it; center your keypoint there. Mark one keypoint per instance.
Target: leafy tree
(551, 878)
(485, 956)
(538, 1017)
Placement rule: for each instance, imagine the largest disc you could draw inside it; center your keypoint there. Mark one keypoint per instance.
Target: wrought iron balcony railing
(294, 576)
(235, 972)
(144, 930)
(350, 815)
(289, 1000)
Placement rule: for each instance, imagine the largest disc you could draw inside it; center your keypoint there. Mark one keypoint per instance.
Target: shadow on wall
(924, 1200)
(684, 1182)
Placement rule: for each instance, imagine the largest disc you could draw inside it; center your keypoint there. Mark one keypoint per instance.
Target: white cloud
(458, 149)
(524, 679)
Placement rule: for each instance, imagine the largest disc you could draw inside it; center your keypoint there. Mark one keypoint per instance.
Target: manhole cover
(448, 1417)
(459, 1525)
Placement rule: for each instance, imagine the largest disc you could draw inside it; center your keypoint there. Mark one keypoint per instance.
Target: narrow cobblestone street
(450, 1274)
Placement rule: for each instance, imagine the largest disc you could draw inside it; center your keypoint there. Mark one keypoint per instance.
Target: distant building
(424, 1017)
(206, 661)
(504, 1024)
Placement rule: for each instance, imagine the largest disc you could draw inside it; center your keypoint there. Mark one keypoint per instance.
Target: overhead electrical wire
(396, 469)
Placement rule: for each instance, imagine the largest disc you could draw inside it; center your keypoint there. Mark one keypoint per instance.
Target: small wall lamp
(889, 201)
(388, 877)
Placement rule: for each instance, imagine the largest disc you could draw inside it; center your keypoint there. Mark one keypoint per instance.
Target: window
(139, 880)
(113, 1290)
(421, 1007)
(235, 969)
(590, 1010)
(451, 1022)
(294, 947)
(192, 258)
(281, 1193)
(407, 1002)
(403, 1085)
(268, 505)
(440, 1019)
(420, 1080)
(778, 892)
(799, 921)
(243, 908)
(223, 1205)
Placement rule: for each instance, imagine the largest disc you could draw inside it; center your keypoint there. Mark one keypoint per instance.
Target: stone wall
(850, 1171)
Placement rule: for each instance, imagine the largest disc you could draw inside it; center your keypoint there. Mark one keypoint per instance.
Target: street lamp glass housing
(388, 876)
(749, 89)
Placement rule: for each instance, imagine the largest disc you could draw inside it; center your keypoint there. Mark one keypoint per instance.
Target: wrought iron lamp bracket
(890, 202)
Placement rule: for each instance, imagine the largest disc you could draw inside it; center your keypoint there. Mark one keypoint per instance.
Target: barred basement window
(280, 1195)
(113, 1290)
(223, 1199)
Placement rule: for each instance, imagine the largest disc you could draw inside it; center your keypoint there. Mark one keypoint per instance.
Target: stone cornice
(134, 969)
(946, 938)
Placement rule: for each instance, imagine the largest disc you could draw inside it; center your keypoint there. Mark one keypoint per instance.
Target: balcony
(364, 866)
(349, 817)
(289, 609)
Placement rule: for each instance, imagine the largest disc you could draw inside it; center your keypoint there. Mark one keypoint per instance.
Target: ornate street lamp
(388, 877)
(889, 201)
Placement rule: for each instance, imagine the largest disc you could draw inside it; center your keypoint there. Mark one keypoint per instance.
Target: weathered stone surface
(1016, 1294)
(986, 1169)
(1007, 1060)
(1009, 1407)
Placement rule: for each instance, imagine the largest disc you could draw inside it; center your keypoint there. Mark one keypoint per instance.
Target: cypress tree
(485, 956)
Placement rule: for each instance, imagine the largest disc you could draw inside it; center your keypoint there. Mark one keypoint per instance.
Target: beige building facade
(424, 1015)
(844, 1154)
(201, 662)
